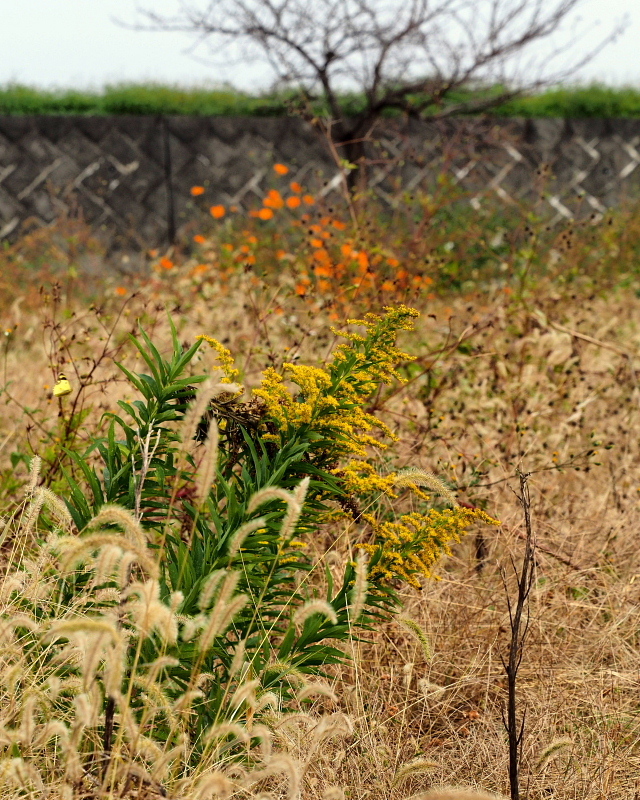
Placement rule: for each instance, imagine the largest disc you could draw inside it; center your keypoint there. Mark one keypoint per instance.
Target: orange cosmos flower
(309, 199)
(295, 187)
(281, 169)
(393, 262)
(317, 243)
(217, 212)
(199, 239)
(166, 263)
(196, 191)
(121, 291)
(265, 213)
(303, 285)
(273, 199)
(293, 202)
(321, 256)
(388, 286)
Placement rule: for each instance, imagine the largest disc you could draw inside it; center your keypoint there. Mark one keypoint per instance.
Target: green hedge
(136, 99)
(586, 101)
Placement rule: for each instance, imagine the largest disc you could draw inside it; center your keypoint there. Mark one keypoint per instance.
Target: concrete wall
(129, 177)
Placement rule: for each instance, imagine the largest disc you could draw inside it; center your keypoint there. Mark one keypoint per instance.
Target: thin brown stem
(519, 625)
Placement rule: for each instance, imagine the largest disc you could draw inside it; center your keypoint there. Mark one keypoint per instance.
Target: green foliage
(245, 522)
(138, 99)
(595, 100)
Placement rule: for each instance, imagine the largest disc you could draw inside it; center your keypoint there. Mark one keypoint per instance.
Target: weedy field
(262, 537)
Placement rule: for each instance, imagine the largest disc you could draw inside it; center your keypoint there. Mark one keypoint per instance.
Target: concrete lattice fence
(129, 177)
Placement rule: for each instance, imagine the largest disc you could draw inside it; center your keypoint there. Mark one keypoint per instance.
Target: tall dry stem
(519, 618)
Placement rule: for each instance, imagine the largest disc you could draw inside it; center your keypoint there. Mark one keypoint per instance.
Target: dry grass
(499, 385)
(578, 679)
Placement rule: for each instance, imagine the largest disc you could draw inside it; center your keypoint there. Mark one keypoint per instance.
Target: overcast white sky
(75, 43)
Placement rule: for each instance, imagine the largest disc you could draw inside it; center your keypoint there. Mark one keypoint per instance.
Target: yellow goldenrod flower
(360, 477)
(409, 548)
(227, 363)
(333, 399)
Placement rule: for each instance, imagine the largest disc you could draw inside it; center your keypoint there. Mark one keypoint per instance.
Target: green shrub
(580, 101)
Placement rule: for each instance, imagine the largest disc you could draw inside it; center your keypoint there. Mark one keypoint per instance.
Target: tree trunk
(350, 143)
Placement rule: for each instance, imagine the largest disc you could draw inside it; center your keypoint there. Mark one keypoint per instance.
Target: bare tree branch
(410, 55)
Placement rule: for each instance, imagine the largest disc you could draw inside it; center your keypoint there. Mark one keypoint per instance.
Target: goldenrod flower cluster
(376, 355)
(332, 399)
(225, 359)
(290, 410)
(409, 548)
(360, 477)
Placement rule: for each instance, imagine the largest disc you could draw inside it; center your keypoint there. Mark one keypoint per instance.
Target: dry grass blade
(315, 607)
(122, 517)
(419, 766)
(455, 793)
(552, 750)
(415, 476)
(208, 464)
(421, 637)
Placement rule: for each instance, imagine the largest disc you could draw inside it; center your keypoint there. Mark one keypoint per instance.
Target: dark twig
(109, 717)
(519, 624)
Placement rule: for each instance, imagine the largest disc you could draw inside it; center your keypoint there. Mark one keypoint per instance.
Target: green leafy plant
(90, 704)
(224, 516)
(174, 592)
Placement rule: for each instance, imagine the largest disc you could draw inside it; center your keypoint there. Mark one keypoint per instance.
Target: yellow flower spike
(227, 363)
(332, 399)
(411, 547)
(359, 477)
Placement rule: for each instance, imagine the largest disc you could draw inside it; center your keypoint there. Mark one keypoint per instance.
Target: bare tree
(408, 55)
